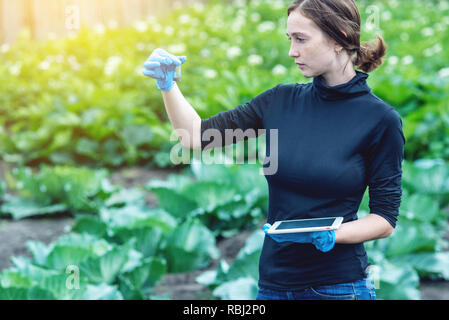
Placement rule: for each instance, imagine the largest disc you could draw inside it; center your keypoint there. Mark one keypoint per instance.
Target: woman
(335, 139)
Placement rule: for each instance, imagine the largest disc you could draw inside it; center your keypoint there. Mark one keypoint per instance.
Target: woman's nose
(293, 53)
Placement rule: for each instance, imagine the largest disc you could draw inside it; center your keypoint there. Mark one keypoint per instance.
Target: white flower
(177, 48)
(427, 32)
(138, 70)
(386, 15)
(233, 52)
(205, 53)
(407, 60)
(198, 6)
(210, 74)
(73, 63)
(15, 69)
(184, 18)
(444, 73)
(277, 4)
(112, 65)
(151, 19)
(255, 60)
(437, 48)
(224, 45)
(99, 28)
(5, 47)
(393, 60)
(157, 27)
(255, 17)
(266, 26)
(72, 99)
(393, 3)
(238, 25)
(239, 3)
(59, 58)
(141, 26)
(443, 5)
(140, 46)
(44, 65)
(169, 31)
(279, 70)
(432, 50)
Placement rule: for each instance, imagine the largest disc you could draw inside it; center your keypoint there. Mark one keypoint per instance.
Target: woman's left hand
(322, 240)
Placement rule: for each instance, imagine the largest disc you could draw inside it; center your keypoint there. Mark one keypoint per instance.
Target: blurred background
(88, 176)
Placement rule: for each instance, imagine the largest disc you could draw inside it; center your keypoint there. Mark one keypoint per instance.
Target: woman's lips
(301, 65)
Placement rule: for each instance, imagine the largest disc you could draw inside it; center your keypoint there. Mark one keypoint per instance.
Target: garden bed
(14, 234)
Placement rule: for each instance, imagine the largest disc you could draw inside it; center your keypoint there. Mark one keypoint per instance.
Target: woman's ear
(338, 48)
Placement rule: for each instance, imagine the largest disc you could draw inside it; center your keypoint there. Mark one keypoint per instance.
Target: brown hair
(337, 18)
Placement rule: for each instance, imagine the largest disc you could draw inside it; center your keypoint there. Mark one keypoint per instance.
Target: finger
(173, 60)
(152, 64)
(152, 74)
(266, 227)
(177, 61)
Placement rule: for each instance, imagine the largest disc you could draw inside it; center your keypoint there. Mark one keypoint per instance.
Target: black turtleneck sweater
(333, 143)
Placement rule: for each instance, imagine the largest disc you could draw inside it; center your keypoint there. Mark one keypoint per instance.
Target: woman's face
(309, 46)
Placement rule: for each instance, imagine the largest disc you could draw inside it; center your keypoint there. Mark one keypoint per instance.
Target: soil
(15, 234)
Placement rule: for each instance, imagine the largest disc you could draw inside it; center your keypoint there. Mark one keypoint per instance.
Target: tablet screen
(306, 223)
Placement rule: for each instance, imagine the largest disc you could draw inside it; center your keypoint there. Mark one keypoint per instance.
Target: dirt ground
(14, 234)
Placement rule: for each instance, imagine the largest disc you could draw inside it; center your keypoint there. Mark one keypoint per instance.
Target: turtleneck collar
(355, 87)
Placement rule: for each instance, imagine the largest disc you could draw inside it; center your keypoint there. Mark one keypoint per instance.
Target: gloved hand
(322, 240)
(161, 66)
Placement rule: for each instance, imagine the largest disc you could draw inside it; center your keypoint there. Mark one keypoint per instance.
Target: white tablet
(305, 225)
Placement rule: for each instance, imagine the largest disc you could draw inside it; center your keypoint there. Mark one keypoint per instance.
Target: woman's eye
(298, 39)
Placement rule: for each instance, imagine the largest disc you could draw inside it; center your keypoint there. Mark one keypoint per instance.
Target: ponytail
(370, 54)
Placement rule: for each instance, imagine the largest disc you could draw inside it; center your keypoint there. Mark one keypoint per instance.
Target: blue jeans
(357, 290)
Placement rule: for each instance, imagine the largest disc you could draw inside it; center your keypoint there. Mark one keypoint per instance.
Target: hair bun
(370, 54)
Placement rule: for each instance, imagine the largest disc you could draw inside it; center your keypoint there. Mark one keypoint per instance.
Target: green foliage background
(72, 105)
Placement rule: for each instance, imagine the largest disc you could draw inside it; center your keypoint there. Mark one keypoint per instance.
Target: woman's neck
(335, 79)
(341, 73)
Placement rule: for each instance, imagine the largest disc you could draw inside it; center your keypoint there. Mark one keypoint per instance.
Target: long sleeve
(247, 116)
(384, 167)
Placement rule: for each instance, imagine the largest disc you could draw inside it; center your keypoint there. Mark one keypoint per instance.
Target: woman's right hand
(161, 66)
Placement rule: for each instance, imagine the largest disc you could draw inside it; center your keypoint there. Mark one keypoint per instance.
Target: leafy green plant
(415, 250)
(226, 199)
(120, 254)
(238, 281)
(83, 100)
(56, 189)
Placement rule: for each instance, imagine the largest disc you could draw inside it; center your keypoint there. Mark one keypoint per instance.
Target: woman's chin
(306, 74)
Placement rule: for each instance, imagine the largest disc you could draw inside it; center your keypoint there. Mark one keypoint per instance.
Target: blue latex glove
(322, 240)
(161, 66)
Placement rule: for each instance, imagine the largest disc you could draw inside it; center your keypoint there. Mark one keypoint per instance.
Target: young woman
(335, 139)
